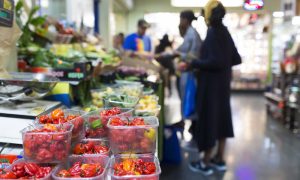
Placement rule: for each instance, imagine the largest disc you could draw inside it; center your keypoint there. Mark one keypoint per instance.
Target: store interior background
(263, 148)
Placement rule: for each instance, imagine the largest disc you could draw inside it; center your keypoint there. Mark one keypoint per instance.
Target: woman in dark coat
(218, 55)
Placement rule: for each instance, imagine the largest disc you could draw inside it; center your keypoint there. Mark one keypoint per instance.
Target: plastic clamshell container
(103, 142)
(148, 91)
(101, 159)
(147, 112)
(48, 177)
(133, 90)
(109, 102)
(47, 147)
(134, 139)
(124, 82)
(144, 157)
(78, 132)
(99, 129)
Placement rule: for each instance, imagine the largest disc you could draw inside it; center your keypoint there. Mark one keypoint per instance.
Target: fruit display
(130, 90)
(59, 116)
(22, 169)
(99, 95)
(147, 106)
(134, 135)
(127, 167)
(92, 168)
(122, 101)
(91, 146)
(97, 121)
(47, 143)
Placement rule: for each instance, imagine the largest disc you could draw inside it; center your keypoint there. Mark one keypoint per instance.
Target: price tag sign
(6, 13)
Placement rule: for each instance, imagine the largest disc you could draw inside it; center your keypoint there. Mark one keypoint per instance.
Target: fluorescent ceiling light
(202, 3)
(278, 14)
(296, 21)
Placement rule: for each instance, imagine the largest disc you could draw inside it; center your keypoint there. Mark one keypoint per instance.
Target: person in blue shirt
(138, 42)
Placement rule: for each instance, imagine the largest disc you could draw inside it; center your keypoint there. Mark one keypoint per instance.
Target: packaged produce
(22, 169)
(98, 95)
(92, 168)
(123, 101)
(60, 116)
(140, 167)
(47, 143)
(130, 90)
(135, 135)
(147, 106)
(97, 120)
(91, 146)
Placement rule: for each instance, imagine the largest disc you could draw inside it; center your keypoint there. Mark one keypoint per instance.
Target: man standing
(139, 43)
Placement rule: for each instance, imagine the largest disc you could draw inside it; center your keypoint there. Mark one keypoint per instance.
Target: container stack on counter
(116, 141)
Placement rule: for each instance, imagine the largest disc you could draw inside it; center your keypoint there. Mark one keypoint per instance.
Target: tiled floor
(261, 150)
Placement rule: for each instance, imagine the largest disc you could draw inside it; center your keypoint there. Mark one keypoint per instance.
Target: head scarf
(208, 8)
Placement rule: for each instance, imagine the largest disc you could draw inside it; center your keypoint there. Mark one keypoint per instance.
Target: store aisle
(262, 149)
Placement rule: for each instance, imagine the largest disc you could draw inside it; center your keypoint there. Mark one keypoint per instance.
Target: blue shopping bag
(189, 101)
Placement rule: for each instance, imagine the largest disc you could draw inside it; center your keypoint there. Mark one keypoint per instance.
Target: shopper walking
(218, 55)
(189, 49)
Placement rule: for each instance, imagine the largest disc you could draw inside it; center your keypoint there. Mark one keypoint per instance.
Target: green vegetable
(96, 124)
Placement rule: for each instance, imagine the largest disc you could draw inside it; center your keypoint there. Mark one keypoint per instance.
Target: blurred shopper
(118, 42)
(139, 44)
(164, 56)
(218, 55)
(188, 50)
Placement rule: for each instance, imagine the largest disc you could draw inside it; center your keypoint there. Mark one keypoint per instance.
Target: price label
(6, 13)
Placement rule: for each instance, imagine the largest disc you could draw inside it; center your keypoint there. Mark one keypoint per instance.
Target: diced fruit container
(101, 159)
(78, 132)
(47, 147)
(122, 101)
(97, 124)
(97, 142)
(48, 177)
(98, 95)
(147, 112)
(144, 157)
(130, 90)
(134, 139)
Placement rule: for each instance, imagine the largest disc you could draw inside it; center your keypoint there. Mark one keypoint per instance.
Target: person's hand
(183, 66)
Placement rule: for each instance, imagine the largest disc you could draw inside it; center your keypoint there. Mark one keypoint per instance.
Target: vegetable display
(59, 116)
(123, 101)
(26, 170)
(97, 121)
(81, 170)
(91, 147)
(47, 143)
(131, 166)
(147, 106)
(134, 135)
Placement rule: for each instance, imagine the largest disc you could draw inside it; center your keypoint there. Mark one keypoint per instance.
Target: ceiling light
(278, 14)
(202, 3)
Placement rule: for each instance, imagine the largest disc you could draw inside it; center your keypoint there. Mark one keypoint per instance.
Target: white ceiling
(201, 3)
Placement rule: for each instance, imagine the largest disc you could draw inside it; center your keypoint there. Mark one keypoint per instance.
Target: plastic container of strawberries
(47, 147)
(97, 124)
(144, 157)
(103, 142)
(48, 177)
(78, 132)
(103, 160)
(134, 139)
